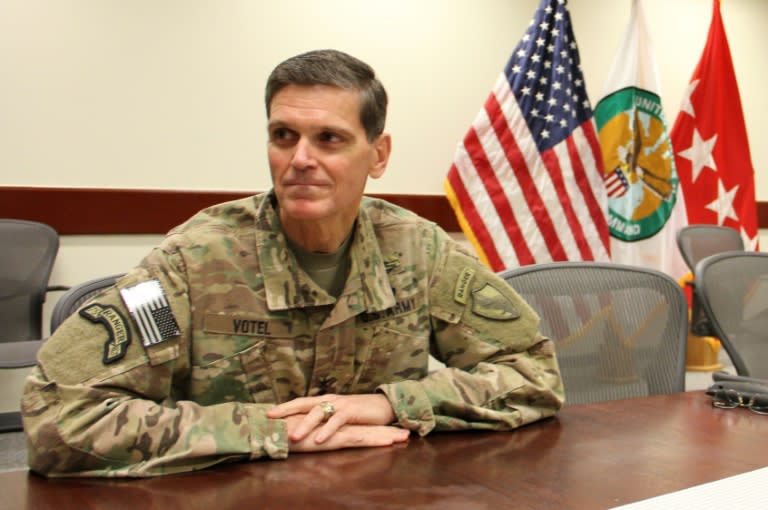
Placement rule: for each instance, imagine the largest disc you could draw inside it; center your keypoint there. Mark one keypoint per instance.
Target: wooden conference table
(592, 456)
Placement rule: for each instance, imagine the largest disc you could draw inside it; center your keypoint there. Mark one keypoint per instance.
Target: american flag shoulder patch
(149, 307)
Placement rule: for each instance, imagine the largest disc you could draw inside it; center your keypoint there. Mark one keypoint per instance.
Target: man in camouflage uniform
(310, 297)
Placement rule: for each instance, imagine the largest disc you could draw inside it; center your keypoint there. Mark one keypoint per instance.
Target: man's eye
(329, 137)
(281, 134)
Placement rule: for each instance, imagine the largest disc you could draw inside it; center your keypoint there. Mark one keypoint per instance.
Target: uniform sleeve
(500, 372)
(100, 403)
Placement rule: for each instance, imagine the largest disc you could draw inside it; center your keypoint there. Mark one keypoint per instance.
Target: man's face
(319, 155)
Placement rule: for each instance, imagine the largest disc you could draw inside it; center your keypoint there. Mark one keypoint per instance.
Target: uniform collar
(287, 286)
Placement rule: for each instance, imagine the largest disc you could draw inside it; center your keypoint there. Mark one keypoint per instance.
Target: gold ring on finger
(328, 410)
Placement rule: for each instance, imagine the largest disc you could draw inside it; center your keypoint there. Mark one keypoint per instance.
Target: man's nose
(303, 154)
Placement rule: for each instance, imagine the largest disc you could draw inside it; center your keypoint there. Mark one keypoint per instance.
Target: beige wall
(168, 93)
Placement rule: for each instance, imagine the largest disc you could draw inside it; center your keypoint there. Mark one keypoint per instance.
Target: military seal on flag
(640, 176)
(646, 206)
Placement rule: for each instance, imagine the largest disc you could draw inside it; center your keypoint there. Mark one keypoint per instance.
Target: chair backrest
(619, 331)
(77, 296)
(697, 242)
(733, 290)
(27, 253)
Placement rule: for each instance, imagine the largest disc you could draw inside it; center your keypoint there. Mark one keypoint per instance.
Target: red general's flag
(527, 181)
(710, 142)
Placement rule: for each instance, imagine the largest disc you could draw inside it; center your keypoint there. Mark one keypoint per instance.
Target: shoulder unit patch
(119, 335)
(490, 303)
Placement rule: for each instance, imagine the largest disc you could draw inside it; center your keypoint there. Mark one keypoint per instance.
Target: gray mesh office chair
(28, 250)
(75, 297)
(695, 243)
(733, 291)
(619, 331)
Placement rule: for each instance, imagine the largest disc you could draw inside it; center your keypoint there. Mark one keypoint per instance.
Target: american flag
(149, 307)
(526, 183)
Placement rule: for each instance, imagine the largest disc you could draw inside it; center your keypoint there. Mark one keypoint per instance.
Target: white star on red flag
(700, 153)
(686, 105)
(709, 133)
(723, 204)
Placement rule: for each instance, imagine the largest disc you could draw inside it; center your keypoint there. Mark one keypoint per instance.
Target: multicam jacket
(173, 368)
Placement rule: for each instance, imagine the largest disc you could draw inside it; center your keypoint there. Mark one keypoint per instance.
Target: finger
(402, 436)
(387, 435)
(355, 436)
(301, 405)
(376, 435)
(330, 427)
(284, 409)
(312, 420)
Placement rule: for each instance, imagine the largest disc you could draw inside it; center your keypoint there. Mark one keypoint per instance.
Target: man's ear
(382, 147)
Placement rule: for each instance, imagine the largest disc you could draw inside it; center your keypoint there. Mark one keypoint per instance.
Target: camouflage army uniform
(255, 330)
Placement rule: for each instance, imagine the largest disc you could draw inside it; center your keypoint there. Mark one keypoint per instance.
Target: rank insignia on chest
(150, 310)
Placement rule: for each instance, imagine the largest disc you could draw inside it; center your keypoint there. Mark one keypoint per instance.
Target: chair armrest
(19, 354)
(56, 287)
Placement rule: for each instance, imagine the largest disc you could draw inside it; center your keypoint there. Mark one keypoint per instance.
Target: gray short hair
(337, 69)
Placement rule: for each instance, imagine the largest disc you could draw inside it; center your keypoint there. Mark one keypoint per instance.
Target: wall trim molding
(107, 211)
(113, 211)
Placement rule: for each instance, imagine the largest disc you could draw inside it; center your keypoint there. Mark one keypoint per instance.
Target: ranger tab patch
(119, 334)
(150, 309)
(488, 302)
(461, 292)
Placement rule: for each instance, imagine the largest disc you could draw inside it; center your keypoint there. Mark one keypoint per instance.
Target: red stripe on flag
(552, 164)
(525, 181)
(474, 221)
(595, 210)
(499, 200)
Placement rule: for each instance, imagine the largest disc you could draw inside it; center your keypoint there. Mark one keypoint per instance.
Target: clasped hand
(357, 421)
